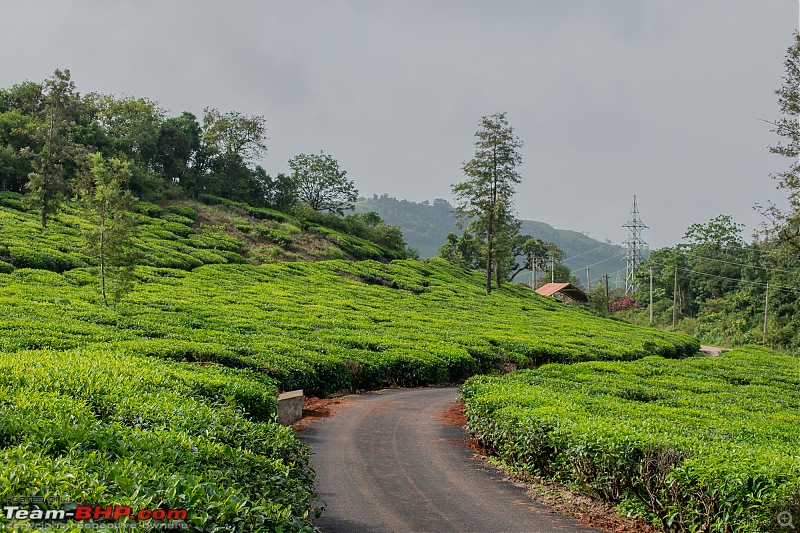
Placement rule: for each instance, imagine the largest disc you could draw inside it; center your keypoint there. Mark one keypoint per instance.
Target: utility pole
(533, 273)
(607, 302)
(675, 300)
(553, 270)
(766, 311)
(651, 296)
(588, 280)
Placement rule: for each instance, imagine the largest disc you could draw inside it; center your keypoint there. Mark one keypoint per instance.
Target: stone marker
(290, 407)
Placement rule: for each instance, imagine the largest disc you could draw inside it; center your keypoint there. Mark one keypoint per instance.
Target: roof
(567, 289)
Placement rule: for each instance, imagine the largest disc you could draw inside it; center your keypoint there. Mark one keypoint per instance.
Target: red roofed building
(563, 291)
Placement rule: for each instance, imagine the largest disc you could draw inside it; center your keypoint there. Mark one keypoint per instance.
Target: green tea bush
(700, 444)
(98, 427)
(183, 211)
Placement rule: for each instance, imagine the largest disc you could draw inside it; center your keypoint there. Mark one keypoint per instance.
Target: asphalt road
(386, 462)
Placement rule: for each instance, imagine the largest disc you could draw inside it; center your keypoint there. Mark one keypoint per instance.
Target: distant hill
(425, 227)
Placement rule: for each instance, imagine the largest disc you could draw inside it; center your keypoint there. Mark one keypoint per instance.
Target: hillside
(143, 402)
(425, 227)
(188, 234)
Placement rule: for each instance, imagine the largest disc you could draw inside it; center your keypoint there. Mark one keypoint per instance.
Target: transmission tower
(635, 246)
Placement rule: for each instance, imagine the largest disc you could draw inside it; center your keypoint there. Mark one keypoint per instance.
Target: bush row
(701, 444)
(97, 427)
(320, 326)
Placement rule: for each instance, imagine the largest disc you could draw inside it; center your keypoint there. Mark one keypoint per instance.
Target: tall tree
(787, 222)
(55, 162)
(321, 184)
(107, 202)
(485, 198)
(233, 135)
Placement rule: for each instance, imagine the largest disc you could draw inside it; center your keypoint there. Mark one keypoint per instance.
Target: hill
(425, 227)
(146, 402)
(187, 234)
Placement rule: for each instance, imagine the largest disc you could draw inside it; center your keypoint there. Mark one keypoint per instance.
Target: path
(386, 462)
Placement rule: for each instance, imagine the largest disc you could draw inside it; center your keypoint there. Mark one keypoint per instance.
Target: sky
(667, 100)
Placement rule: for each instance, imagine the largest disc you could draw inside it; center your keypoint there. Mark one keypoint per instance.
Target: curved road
(386, 462)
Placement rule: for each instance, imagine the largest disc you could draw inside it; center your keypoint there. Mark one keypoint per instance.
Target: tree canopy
(321, 184)
(485, 198)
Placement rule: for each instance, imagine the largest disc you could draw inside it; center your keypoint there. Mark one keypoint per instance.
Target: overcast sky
(663, 99)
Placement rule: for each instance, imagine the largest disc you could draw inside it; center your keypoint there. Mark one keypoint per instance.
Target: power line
(753, 282)
(609, 258)
(795, 272)
(588, 252)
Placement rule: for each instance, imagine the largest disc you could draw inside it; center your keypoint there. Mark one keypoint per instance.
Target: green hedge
(319, 326)
(97, 427)
(701, 444)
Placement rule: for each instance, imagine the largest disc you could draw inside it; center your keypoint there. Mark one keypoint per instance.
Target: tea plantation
(166, 400)
(700, 444)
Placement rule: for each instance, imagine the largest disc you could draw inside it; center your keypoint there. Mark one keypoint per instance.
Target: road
(386, 462)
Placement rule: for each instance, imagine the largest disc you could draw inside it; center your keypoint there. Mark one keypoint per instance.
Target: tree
(234, 135)
(485, 198)
(321, 184)
(715, 252)
(108, 203)
(464, 251)
(787, 222)
(55, 162)
(177, 147)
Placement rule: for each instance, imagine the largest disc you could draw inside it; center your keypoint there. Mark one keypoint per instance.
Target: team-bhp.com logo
(174, 517)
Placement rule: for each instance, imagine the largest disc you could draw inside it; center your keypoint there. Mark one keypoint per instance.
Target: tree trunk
(489, 229)
(103, 260)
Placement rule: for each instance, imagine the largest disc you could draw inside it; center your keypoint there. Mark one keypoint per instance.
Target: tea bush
(97, 427)
(700, 444)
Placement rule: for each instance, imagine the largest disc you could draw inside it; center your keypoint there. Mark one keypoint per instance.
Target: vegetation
(426, 226)
(322, 326)
(321, 184)
(105, 426)
(185, 235)
(786, 222)
(716, 286)
(47, 129)
(701, 444)
(719, 287)
(108, 206)
(166, 398)
(485, 198)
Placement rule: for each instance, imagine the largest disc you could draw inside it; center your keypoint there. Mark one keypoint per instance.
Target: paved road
(385, 462)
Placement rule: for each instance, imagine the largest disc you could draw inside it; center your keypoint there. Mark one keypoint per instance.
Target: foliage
(165, 238)
(786, 223)
(108, 207)
(320, 326)
(426, 225)
(57, 157)
(485, 198)
(321, 184)
(465, 251)
(718, 284)
(97, 426)
(702, 444)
